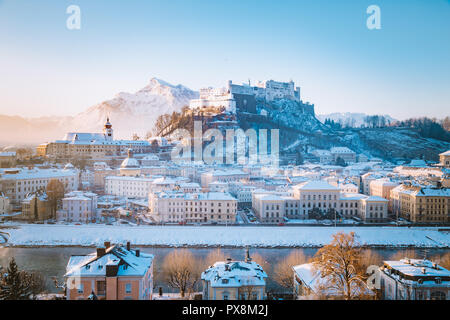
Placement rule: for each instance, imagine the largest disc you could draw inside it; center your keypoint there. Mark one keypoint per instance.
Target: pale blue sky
(324, 46)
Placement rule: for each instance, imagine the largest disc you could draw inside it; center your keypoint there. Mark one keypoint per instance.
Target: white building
(16, 183)
(324, 156)
(348, 188)
(189, 187)
(234, 280)
(268, 207)
(126, 186)
(231, 175)
(218, 186)
(78, 206)
(206, 207)
(367, 178)
(414, 279)
(150, 160)
(316, 194)
(303, 199)
(243, 193)
(374, 209)
(344, 153)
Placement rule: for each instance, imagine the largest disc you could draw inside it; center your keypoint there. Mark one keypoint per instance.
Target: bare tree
(181, 270)
(443, 261)
(283, 273)
(55, 192)
(402, 254)
(213, 257)
(339, 264)
(261, 261)
(369, 258)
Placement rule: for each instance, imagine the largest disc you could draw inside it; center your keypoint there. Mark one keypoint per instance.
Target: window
(80, 288)
(437, 295)
(101, 287)
(128, 288)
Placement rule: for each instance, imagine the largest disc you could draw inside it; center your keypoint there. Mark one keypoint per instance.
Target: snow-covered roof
(35, 173)
(92, 265)
(376, 198)
(316, 185)
(129, 163)
(446, 153)
(235, 274)
(341, 150)
(418, 268)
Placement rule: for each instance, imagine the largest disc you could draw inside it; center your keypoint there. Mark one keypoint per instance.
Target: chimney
(247, 255)
(138, 253)
(128, 245)
(107, 244)
(101, 252)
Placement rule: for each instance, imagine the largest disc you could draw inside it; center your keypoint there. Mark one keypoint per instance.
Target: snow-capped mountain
(351, 119)
(129, 113)
(135, 112)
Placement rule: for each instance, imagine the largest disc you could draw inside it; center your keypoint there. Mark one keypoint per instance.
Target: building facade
(209, 207)
(421, 204)
(78, 206)
(18, 183)
(112, 273)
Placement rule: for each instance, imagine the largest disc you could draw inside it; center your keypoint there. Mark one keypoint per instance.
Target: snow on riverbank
(271, 236)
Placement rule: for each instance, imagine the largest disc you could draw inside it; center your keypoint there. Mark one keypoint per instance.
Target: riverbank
(32, 235)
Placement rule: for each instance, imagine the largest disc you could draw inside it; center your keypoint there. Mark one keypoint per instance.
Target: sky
(402, 69)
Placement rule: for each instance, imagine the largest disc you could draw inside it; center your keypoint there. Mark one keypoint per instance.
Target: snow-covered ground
(267, 236)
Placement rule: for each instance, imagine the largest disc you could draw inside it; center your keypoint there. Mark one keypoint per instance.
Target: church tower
(108, 131)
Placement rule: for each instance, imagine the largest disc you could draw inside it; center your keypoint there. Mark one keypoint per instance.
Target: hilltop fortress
(243, 98)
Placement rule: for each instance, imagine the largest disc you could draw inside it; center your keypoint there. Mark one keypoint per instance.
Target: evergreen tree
(13, 286)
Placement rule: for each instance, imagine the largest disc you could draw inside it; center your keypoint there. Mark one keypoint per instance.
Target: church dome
(130, 162)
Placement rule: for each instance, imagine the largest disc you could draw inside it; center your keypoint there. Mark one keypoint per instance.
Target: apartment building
(374, 209)
(17, 183)
(316, 194)
(421, 204)
(113, 272)
(208, 207)
(78, 206)
(127, 186)
(344, 153)
(382, 188)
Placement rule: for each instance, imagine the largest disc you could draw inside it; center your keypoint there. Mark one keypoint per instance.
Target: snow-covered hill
(135, 112)
(351, 119)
